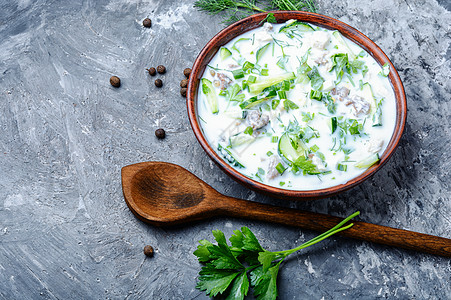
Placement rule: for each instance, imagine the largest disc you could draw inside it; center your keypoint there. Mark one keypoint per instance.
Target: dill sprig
(237, 9)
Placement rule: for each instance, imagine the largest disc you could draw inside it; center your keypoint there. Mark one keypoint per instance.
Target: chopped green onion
(286, 85)
(251, 79)
(274, 139)
(341, 167)
(264, 72)
(269, 153)
(288, 104)
(249, 130)
(237, 74)
(245, 84)
(280, 168)
(248, 65)
(222, 93)
(314, 148)
(261, 171)
(282, 183)
(317, 95)
(275, 103)
(282, 94)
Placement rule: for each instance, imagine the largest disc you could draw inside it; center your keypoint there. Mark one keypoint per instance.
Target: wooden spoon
(165, 194)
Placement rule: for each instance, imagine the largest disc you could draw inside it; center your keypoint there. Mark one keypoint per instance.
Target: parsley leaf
(265, 282)
(232, 93)
(214, 281)
(240, 287)
(316, 80)
(341, 64)
(202, 253)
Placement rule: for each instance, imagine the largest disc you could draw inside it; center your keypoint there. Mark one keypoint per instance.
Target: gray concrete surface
(65, 231)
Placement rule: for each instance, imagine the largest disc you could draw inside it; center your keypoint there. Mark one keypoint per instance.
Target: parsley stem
(337, 228)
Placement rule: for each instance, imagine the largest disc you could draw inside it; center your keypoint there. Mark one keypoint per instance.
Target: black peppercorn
(184, 83)
(148, 250)
(161, 69)
(115, 81)
(183, 92)
(160, 133)
(187, 72)
(152, 71)
(147, 22)
(158, 83)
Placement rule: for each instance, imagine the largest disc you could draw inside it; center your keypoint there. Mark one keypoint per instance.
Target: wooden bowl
(252, 22)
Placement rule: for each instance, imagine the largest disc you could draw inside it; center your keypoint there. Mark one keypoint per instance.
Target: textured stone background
(65, 231)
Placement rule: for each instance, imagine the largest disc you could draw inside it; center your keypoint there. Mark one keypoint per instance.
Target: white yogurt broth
(295, 145)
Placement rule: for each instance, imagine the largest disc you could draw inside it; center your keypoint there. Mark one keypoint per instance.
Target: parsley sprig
(227, 268)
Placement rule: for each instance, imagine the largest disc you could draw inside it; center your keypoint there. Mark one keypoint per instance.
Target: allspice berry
(183, 92)
(158, 83)
(187, 72)
(160, 133)
(161, 69)
(184, 83)
(147, 22)
(152, 71)
(115, 81)
(148, 250)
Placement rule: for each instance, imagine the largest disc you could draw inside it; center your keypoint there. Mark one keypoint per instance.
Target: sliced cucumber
(261, 51)
(377, 116)
(229, 156)
(261, 84)
(241, 139)
(224, 53)
(342, 42)
(254, 101)
(209, 92)
(333, 124)
(368, 162)
(297, 25)
(376, 112)
(287, 151)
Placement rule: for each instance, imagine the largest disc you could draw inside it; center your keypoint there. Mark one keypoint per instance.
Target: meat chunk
(224, 81)
(340, 93)
(360, 105)
(319, 163)
(272, 172)
(263, 36)
(256, 120)
(267, 27)
(321, 58)
(320, 39)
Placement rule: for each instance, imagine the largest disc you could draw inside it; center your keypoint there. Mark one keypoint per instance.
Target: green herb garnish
(315, 79)
(249, 130)
(238, 9)
(228, 268)
(385, 70)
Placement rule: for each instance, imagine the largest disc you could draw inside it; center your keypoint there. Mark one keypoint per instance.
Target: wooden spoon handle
(320, 222)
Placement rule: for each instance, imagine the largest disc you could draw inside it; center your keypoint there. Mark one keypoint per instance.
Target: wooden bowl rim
(351, 33)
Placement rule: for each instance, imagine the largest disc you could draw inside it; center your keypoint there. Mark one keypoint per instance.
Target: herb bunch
(227, 268)
(238, 9)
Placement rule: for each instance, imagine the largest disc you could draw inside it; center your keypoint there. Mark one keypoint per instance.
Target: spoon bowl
(165, 193)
